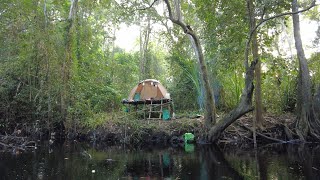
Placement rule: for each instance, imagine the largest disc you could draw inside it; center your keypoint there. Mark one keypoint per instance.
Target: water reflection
(83, 161)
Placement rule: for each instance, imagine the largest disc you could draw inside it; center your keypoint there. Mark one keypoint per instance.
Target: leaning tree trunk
(243, 107)
(304, 103)
(245, 104)
(210, 117)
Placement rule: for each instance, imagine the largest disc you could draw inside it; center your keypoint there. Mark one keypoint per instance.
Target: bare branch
(313, 4)
(178, 21)
(150, 6)
(4, 144)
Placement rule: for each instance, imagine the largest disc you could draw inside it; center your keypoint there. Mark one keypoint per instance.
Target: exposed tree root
(264, 136)
(16, 144)
(278, 129)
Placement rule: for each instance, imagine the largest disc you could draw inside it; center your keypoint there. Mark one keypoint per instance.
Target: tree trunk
(308, 123)
(66, 65)
(304, 105)
(144, 42)
(142, 66)
(244, 106)
(255, 55)
(210, 110)
(257, 120)
(209, 100)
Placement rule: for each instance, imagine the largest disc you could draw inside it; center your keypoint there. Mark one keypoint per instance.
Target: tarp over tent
(149, 89)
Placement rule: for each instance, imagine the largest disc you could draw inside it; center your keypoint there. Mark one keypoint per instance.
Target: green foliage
(279, 84)
(45, 58)
(185, 86)
(232, 85)
(314, 65)
(125, 72)
(53, 68)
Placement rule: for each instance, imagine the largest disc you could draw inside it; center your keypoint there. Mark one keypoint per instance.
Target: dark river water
(84, 161)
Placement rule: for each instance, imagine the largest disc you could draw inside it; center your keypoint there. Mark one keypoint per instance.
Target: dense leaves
(54, 68)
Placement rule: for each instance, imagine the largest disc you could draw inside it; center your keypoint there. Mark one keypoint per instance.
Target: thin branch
(4, 144)
(13, 137)
(185, 27)
(150, 6)
(313, 4)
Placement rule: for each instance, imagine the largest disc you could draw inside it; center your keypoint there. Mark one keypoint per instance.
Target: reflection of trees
(277, 162)
(149, 164)
(216, 165)
(69, 162)
(208, 162)
(305, 160)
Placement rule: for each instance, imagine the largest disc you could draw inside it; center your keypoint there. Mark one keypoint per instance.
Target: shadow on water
(280, 161)
(215, 166)
(85, 161)
(305, 159)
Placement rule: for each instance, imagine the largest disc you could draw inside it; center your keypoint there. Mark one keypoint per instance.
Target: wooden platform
(152, 109)
(154, 101)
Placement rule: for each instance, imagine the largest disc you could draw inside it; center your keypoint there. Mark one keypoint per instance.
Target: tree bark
(304, 103)
(144, 42)
(257, 120)
(244, 106)
(255, 55)
(210, 111)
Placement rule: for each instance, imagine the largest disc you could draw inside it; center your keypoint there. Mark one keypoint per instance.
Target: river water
(87, 161)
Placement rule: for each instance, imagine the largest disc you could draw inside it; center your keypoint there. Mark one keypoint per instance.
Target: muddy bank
(142, 132)
(134, 132)
(275, 129)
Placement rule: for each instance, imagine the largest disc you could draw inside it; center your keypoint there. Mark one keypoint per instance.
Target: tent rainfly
(153, 96)
(148, 90)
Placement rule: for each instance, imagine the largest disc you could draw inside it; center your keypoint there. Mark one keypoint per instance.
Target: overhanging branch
(178, 21)
(313, 4)
(150, 6)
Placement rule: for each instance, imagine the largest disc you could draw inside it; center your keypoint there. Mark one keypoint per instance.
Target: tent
(149, 89)
(154, 98)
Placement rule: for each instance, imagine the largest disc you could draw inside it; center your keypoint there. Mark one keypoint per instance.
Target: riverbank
(133, 131)
(139, 132)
